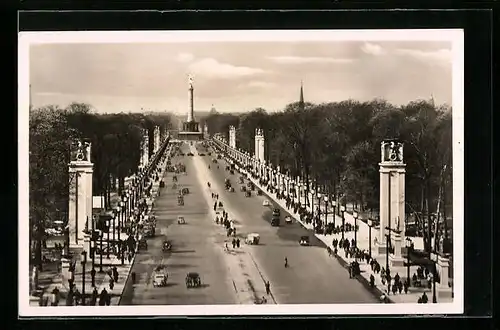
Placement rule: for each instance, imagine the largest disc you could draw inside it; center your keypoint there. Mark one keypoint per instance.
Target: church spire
(301, 100)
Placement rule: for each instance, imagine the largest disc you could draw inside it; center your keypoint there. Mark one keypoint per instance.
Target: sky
(237, 76)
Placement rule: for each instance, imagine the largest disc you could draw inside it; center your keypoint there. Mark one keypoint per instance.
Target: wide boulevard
(313, 276)
(196, 247)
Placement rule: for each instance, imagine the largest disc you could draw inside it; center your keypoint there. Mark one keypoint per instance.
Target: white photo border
(455, 36)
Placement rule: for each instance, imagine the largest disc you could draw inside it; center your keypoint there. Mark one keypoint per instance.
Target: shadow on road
(183, 251)
(178, 266)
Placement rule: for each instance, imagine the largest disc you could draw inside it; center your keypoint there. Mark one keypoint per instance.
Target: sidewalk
(363, 244)
(52, 278)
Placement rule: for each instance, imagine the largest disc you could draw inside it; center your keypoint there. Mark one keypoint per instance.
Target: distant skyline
(237, 76)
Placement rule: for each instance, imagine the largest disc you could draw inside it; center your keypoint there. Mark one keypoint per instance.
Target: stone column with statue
(392, 199)
(80, 191)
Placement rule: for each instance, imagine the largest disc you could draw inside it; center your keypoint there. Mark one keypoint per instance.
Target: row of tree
(337, 147)
(115, 151)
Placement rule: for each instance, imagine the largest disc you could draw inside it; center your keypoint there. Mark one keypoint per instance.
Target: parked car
(288, 219)
(265, 202)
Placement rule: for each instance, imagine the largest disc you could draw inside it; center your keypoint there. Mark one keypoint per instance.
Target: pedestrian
(268, 288)
(77, 296)
(129, 257)
(400, 287)
(111, 283)
(396, 278)
(93, 297)
(372, 281)
(234, 243)
(115, 274)
(406, 285)
(394, 288)
(425, 299)
(237, 242)
(419, 301)
(55, 297)
(103, 297)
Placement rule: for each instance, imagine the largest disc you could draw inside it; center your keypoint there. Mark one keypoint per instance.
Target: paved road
(313, 277)
(196, 248)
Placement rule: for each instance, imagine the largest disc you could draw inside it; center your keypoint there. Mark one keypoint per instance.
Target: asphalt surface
(196, 247)
(312, 276)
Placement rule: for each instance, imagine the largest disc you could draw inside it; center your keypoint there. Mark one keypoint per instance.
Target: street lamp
(100, 251)
(334, 204)
(408, 249)
(83, 261)
(342, 209)
(355, 215)
(312, 204)
(107, 230)
(325, 198)
(122, 251)
(369, 222)
(434, 274)
(114, 225)
(118, 214)
(300, 190)
(387, 247)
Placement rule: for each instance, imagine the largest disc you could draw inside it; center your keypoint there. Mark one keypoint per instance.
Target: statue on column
(80, 150)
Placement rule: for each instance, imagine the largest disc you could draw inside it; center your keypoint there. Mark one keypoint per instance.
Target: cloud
(212, 68)
(184, 57)
(260, 84)
(439, 55)
(306, 60)
(372, 49)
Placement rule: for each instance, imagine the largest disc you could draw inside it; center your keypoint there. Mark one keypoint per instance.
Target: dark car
(275, 221)
(182, 154)
(276, 212)
(190, 154)
(201, 154)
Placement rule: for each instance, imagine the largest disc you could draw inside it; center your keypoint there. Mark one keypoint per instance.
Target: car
(166, 246)
(214, 161)
(143, 244)
(182, 154)
(276, 212)
(201, 154)
(193, 280)
(304, 240)
(253, 239)
(181, 220)
(275, 221)
(265, 202)
(288, 219)
(190, 154)
(159, 280)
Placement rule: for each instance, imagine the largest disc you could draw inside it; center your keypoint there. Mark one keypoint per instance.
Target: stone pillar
(443, 265)
(261, 146)
(392, 195)
(232, 137)
(257, 144)
(80, 192)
